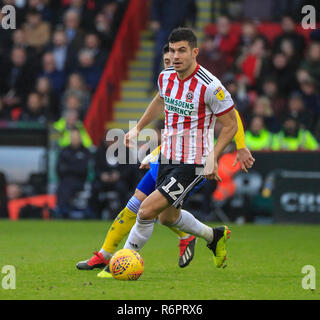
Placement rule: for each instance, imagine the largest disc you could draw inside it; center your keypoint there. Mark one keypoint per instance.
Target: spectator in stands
(75, 35)
(59, 49)
(302, 75)
(298, 111)
(111, 176)
(42, 7)
(76, 86)
(77, 6)
(34, 111)
(311, 96)
(278, 101)
(49, 100)
(65, 124)
(249, 33)
(254, 62)
(14, 86)
(287, 48)
(262, 108)
(312, 61)
(165, 16)
(14, 191)
(257, 136)
(238, 92)
(86, 15)
(292, 138)
(72, 102)
(72, 170)
(289, 34)
(37, 31)
(57, 78)
(19, 40)
(92, 44)
(89, 71)
(283, 72)
(217, 53)
(103, 24)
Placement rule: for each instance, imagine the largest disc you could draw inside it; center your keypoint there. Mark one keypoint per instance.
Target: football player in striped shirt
(126, 218)
(191, 98)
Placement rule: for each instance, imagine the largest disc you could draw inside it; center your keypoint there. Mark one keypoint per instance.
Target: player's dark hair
(165, 48)
(183, 34)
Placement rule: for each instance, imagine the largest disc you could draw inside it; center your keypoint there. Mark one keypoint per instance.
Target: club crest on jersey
(189, 96)
(219, 93)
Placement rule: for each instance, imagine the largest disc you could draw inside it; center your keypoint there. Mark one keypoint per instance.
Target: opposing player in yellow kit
(127, 217)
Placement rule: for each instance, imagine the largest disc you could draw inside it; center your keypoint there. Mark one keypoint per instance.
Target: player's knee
(145, 212)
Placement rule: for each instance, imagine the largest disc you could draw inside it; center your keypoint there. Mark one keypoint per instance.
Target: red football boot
(186, 250)
(97, 261)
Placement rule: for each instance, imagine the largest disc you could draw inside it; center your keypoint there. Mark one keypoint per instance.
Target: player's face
(167, 60)
(183, 56)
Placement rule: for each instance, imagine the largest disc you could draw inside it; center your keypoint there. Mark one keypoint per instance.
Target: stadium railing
(123, 50)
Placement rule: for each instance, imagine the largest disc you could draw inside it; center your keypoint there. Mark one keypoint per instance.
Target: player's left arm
(244, 156)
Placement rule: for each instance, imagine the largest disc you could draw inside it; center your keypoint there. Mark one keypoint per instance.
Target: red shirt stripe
(224, 112)
(200, 127)
(161, 81)
(187, 125)
(167, 93)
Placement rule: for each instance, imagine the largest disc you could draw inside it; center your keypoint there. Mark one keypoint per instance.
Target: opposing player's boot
(97, 261)
(186, 250)
(105, 273)
(218, 245)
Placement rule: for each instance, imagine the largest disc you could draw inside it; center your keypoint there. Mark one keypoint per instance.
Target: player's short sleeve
(160, 85)
(218, 98)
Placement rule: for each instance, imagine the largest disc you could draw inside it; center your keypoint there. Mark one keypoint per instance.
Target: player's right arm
(154, 110)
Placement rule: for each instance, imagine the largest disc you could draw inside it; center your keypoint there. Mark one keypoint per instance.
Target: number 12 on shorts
(173, 194)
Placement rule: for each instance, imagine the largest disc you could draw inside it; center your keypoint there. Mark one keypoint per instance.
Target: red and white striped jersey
(191, 107)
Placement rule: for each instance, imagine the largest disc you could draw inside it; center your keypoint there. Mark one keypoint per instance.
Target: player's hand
(145, 166)
(245, 158)
(210, 171)
(130, 137)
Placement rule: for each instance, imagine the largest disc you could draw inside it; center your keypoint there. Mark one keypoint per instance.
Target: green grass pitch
(264, 262)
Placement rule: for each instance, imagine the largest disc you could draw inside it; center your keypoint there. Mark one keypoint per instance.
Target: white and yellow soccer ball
(126, 264)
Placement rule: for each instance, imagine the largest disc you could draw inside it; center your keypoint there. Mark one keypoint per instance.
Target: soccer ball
(126, 264)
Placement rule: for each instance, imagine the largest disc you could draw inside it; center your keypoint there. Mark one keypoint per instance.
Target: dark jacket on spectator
(20, 79)
(73, 164)
(30, 116)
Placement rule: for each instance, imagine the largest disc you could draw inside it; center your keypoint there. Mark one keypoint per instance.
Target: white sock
(139, 234)
(107, 255)
(188, 223)
(185, 237)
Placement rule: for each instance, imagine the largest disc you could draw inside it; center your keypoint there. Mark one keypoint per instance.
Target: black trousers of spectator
(121, 187)
(67, 189)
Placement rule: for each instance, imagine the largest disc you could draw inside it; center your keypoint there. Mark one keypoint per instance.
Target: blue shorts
(148, 183)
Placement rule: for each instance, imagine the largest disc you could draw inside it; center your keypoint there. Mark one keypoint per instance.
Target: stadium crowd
(275, 85)
(51, 64)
